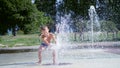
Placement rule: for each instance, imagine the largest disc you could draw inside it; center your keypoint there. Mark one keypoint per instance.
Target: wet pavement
(73, 58)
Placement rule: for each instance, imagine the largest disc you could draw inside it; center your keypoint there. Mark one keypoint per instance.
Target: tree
(22, 13)
(39, 19)
(106, 9)
(47, 6)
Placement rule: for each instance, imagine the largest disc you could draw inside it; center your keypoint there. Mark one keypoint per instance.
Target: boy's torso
(48, 37)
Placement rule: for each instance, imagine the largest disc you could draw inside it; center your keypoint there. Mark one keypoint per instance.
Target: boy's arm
(54, 39)
(44, 39)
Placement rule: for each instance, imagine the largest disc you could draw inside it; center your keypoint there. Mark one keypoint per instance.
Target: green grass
(20, 40)
(33, 39)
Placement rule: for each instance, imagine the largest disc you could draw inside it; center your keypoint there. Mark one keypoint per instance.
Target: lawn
(20, 40)
(33, 39)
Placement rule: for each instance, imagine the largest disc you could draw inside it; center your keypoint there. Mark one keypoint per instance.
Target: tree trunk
(14, 32)
(75, 39)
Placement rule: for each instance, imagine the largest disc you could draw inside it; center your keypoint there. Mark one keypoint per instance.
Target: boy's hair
(43, 27)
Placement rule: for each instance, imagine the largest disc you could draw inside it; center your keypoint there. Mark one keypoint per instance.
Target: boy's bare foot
(54, 63)
(39, 62)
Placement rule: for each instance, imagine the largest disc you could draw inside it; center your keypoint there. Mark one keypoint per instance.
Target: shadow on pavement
(113, 50)
(35, 64)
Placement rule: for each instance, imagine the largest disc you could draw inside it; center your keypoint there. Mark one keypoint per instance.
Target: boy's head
(44, 29)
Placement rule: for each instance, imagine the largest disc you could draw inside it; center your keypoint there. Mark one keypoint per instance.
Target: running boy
(46, 38)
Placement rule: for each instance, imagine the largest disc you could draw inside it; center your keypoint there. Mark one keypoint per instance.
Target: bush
(20, 32)
(30, 28)
(0, 38)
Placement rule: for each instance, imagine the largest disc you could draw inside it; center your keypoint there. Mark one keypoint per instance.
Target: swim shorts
(44, 44)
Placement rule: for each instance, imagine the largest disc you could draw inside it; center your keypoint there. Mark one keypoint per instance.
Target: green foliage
(30, 28)
(81, 26)
(14, 12)
(0, 38)
(22, 13)
(108, 26)
(38, 20)
(47, 6)
(20, 32)
(110, 10)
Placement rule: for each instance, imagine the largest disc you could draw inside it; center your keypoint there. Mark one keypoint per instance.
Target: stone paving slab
(106, 58)
(89, 63)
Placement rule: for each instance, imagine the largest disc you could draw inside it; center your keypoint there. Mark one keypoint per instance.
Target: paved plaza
(74, 58)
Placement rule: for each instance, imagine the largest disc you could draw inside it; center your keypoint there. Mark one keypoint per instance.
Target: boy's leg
(39, 54)
(54, 57)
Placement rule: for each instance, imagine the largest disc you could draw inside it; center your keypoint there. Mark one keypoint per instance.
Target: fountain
(73, 50)
(95, 25)
(63, 28)
(64, 33)
(73, 57)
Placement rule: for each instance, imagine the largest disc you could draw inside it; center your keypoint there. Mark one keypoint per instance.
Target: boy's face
(46, 30)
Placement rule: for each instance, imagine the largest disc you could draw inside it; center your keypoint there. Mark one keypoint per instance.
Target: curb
(19, 49)
(75, 46)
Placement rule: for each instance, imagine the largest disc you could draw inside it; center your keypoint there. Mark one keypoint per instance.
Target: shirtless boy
(46, 38)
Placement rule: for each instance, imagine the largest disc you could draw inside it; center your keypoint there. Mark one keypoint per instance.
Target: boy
(46, 38)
